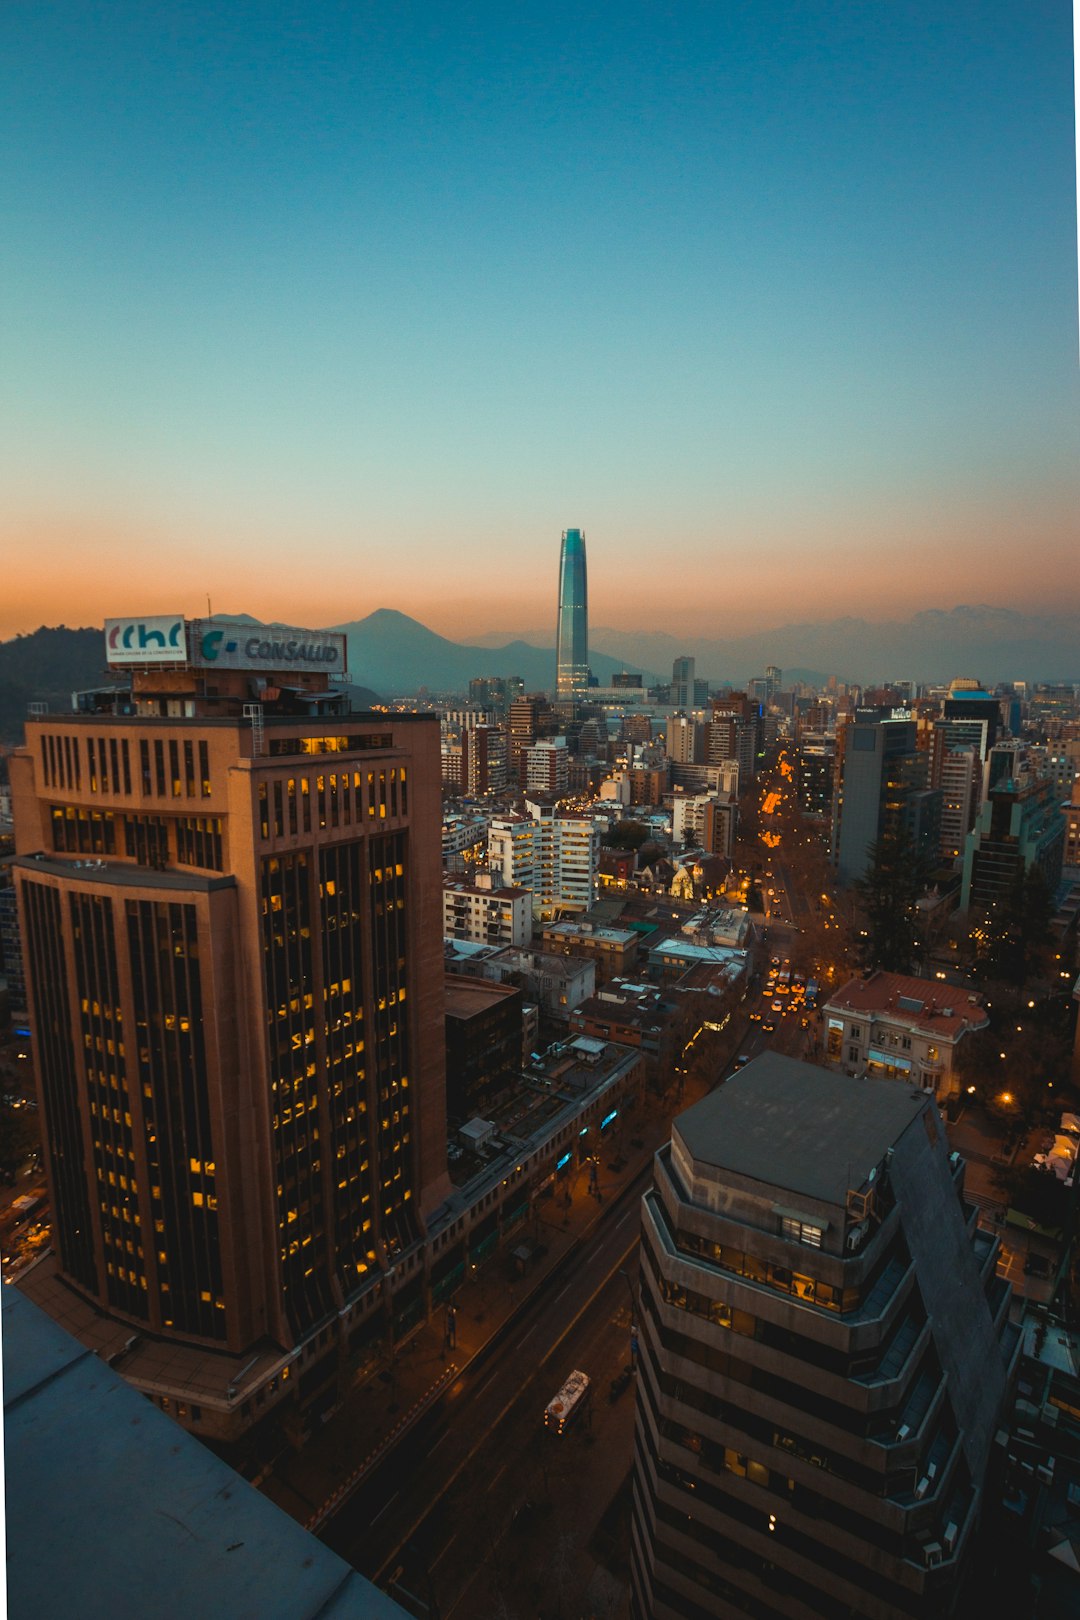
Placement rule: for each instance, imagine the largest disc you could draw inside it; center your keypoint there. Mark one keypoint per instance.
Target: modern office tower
(682, 692)
(572, 631)
(824, 1354)
(882, 788)
(231, 895)
(625, 681)
(775, 677)
(1019, 826)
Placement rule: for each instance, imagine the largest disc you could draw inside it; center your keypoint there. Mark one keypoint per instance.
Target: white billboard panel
(221, 644)
(155, 640)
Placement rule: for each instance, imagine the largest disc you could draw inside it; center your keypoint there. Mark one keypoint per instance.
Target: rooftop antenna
(209, 613)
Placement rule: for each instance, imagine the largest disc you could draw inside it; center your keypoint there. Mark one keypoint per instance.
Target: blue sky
(327, 308)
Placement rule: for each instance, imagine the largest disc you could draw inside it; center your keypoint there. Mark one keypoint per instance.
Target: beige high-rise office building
(231, 891)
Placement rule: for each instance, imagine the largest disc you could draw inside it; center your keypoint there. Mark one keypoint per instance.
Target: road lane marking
(389, 1501)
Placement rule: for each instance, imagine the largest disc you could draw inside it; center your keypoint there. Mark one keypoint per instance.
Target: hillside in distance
(46, 667)
(50, 664)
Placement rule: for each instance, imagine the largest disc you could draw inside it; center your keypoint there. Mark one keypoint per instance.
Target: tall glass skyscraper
(572, 634)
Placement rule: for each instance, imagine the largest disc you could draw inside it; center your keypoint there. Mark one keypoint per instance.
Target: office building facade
(234, 962)
(572, 629)
(824, 1354)
(882, 789)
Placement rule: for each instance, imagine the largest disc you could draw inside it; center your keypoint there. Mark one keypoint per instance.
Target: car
(767, 1027)
(755, 1016)
(774, 961)
(777, 1006)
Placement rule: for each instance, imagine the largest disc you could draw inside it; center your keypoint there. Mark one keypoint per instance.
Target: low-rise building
(897, 1027)
(634, 1015)
(487, 911)
(614, 950)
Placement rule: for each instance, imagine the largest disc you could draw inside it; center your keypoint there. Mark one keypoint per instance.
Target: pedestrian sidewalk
(310, 1483)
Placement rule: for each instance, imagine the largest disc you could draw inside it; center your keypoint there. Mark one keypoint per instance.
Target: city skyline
(788, 299)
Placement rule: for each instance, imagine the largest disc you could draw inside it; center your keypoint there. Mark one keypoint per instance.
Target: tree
(1013, 940)
(888, 892)
(627, 834)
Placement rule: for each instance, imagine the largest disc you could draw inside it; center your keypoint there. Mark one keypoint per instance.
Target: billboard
(157, 640)
(221, 644)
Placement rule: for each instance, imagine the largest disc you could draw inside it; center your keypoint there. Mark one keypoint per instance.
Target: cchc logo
(210, 645)
(156, 640)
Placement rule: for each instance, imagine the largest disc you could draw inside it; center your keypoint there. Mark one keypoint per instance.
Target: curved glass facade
(572, 634)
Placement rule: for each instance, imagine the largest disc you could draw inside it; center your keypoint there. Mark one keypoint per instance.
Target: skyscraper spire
(572, 633)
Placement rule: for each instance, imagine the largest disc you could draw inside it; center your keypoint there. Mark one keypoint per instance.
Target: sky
(321, 308)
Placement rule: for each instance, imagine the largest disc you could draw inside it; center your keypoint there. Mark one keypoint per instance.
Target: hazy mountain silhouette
(995, 644)
(396, 654)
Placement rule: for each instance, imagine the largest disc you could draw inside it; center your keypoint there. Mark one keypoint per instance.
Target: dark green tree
(895, 879)
(1012, 942)
(627, 834)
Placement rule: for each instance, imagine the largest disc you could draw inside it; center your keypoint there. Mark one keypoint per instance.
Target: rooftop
(794, 1126)
(466, 997)
(923, 1003)
(112, 1509)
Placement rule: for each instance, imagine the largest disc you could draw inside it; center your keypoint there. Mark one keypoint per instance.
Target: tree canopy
(895, 879)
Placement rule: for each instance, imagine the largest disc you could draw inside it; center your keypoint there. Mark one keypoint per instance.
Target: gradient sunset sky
(330, 307)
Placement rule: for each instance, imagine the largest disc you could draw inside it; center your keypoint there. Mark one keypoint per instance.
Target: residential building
(547, 767)
(464, 836)
(894, 1026)
(634, 1015)
(686, 739)
(706, 821)
(231, 926)
(614, 950)
(553, 856)
(572, 630)
(824, 1356)
(735, 732)
(482, 909)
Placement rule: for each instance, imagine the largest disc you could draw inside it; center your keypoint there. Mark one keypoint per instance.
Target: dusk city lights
(540, 812)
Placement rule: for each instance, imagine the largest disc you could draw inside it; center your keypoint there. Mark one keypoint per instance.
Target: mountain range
(991, 643)
(398, 655)
(391, 654)
(394, 653)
